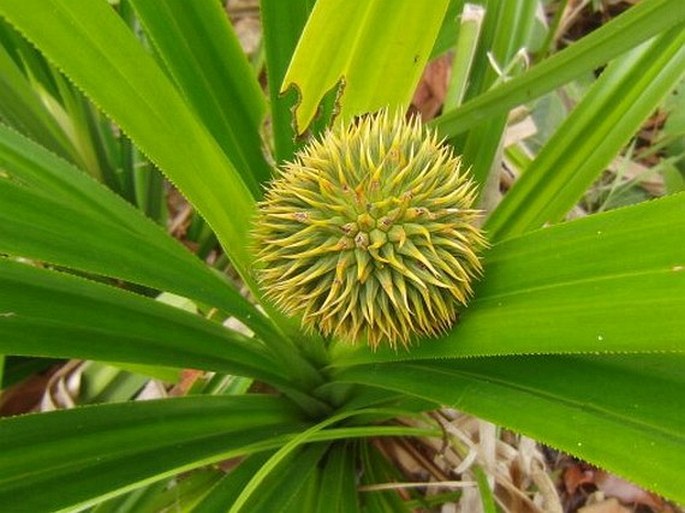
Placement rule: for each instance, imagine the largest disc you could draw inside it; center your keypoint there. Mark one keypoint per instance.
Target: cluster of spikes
(369, 233)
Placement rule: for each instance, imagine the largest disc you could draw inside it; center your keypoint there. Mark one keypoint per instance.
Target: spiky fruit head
(369, 233)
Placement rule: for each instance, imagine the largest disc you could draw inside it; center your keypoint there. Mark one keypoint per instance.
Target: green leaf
(616, 411)
(265, 475)
(486, 494)
(308, 495)
(505, 31)
(282, 24)
(87, 138)
(214, 76)
(45, 313)
(21, 107)
(447, 35)
(102, 383)
(120, 77)
(73, 457)
(338, 483)
(78, 119)
(317, 432)
(469, 23)
(175, 494)
(53, 212)
(377, 50)
(610, 113)
(564, 290)
(128, 85)
(626, 31)
(140, 499)
(294, 494)
(225, 492)
(275, 492)
(29, 60)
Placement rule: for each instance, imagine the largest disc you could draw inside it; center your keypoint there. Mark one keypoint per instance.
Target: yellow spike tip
(381, 243)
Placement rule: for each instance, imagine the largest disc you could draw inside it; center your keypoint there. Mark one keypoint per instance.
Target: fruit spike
(369, 233)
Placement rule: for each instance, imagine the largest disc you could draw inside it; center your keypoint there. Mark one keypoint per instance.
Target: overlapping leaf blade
(632, 28)
(291, 495)
(203, 55)
(21, 106)
(66, 458)
(223, 494)
(612, 111)
(506, 30)
(46, 313)
(612, 410)
(283, 23)
(53, 212)
(98, 52)
(339, 493)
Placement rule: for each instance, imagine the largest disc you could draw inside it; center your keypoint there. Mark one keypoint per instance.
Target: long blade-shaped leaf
(611, 112)
(67, 458)
(378, 50)
(21, 107)
(98, 52)
(45, 313)
(287, 495)
(506, 30)
(605, 283)
(282, 24)
(339, 493)
(225, 492)
(614, 410)
(203, 55)
(53, 212)
(628, 30)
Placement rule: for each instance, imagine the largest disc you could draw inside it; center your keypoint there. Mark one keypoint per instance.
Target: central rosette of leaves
(369, 234)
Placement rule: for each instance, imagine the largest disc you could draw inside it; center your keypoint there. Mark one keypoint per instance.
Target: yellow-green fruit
(369, 234)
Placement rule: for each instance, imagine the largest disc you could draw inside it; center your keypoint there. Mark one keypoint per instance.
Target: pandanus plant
(371, 277)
